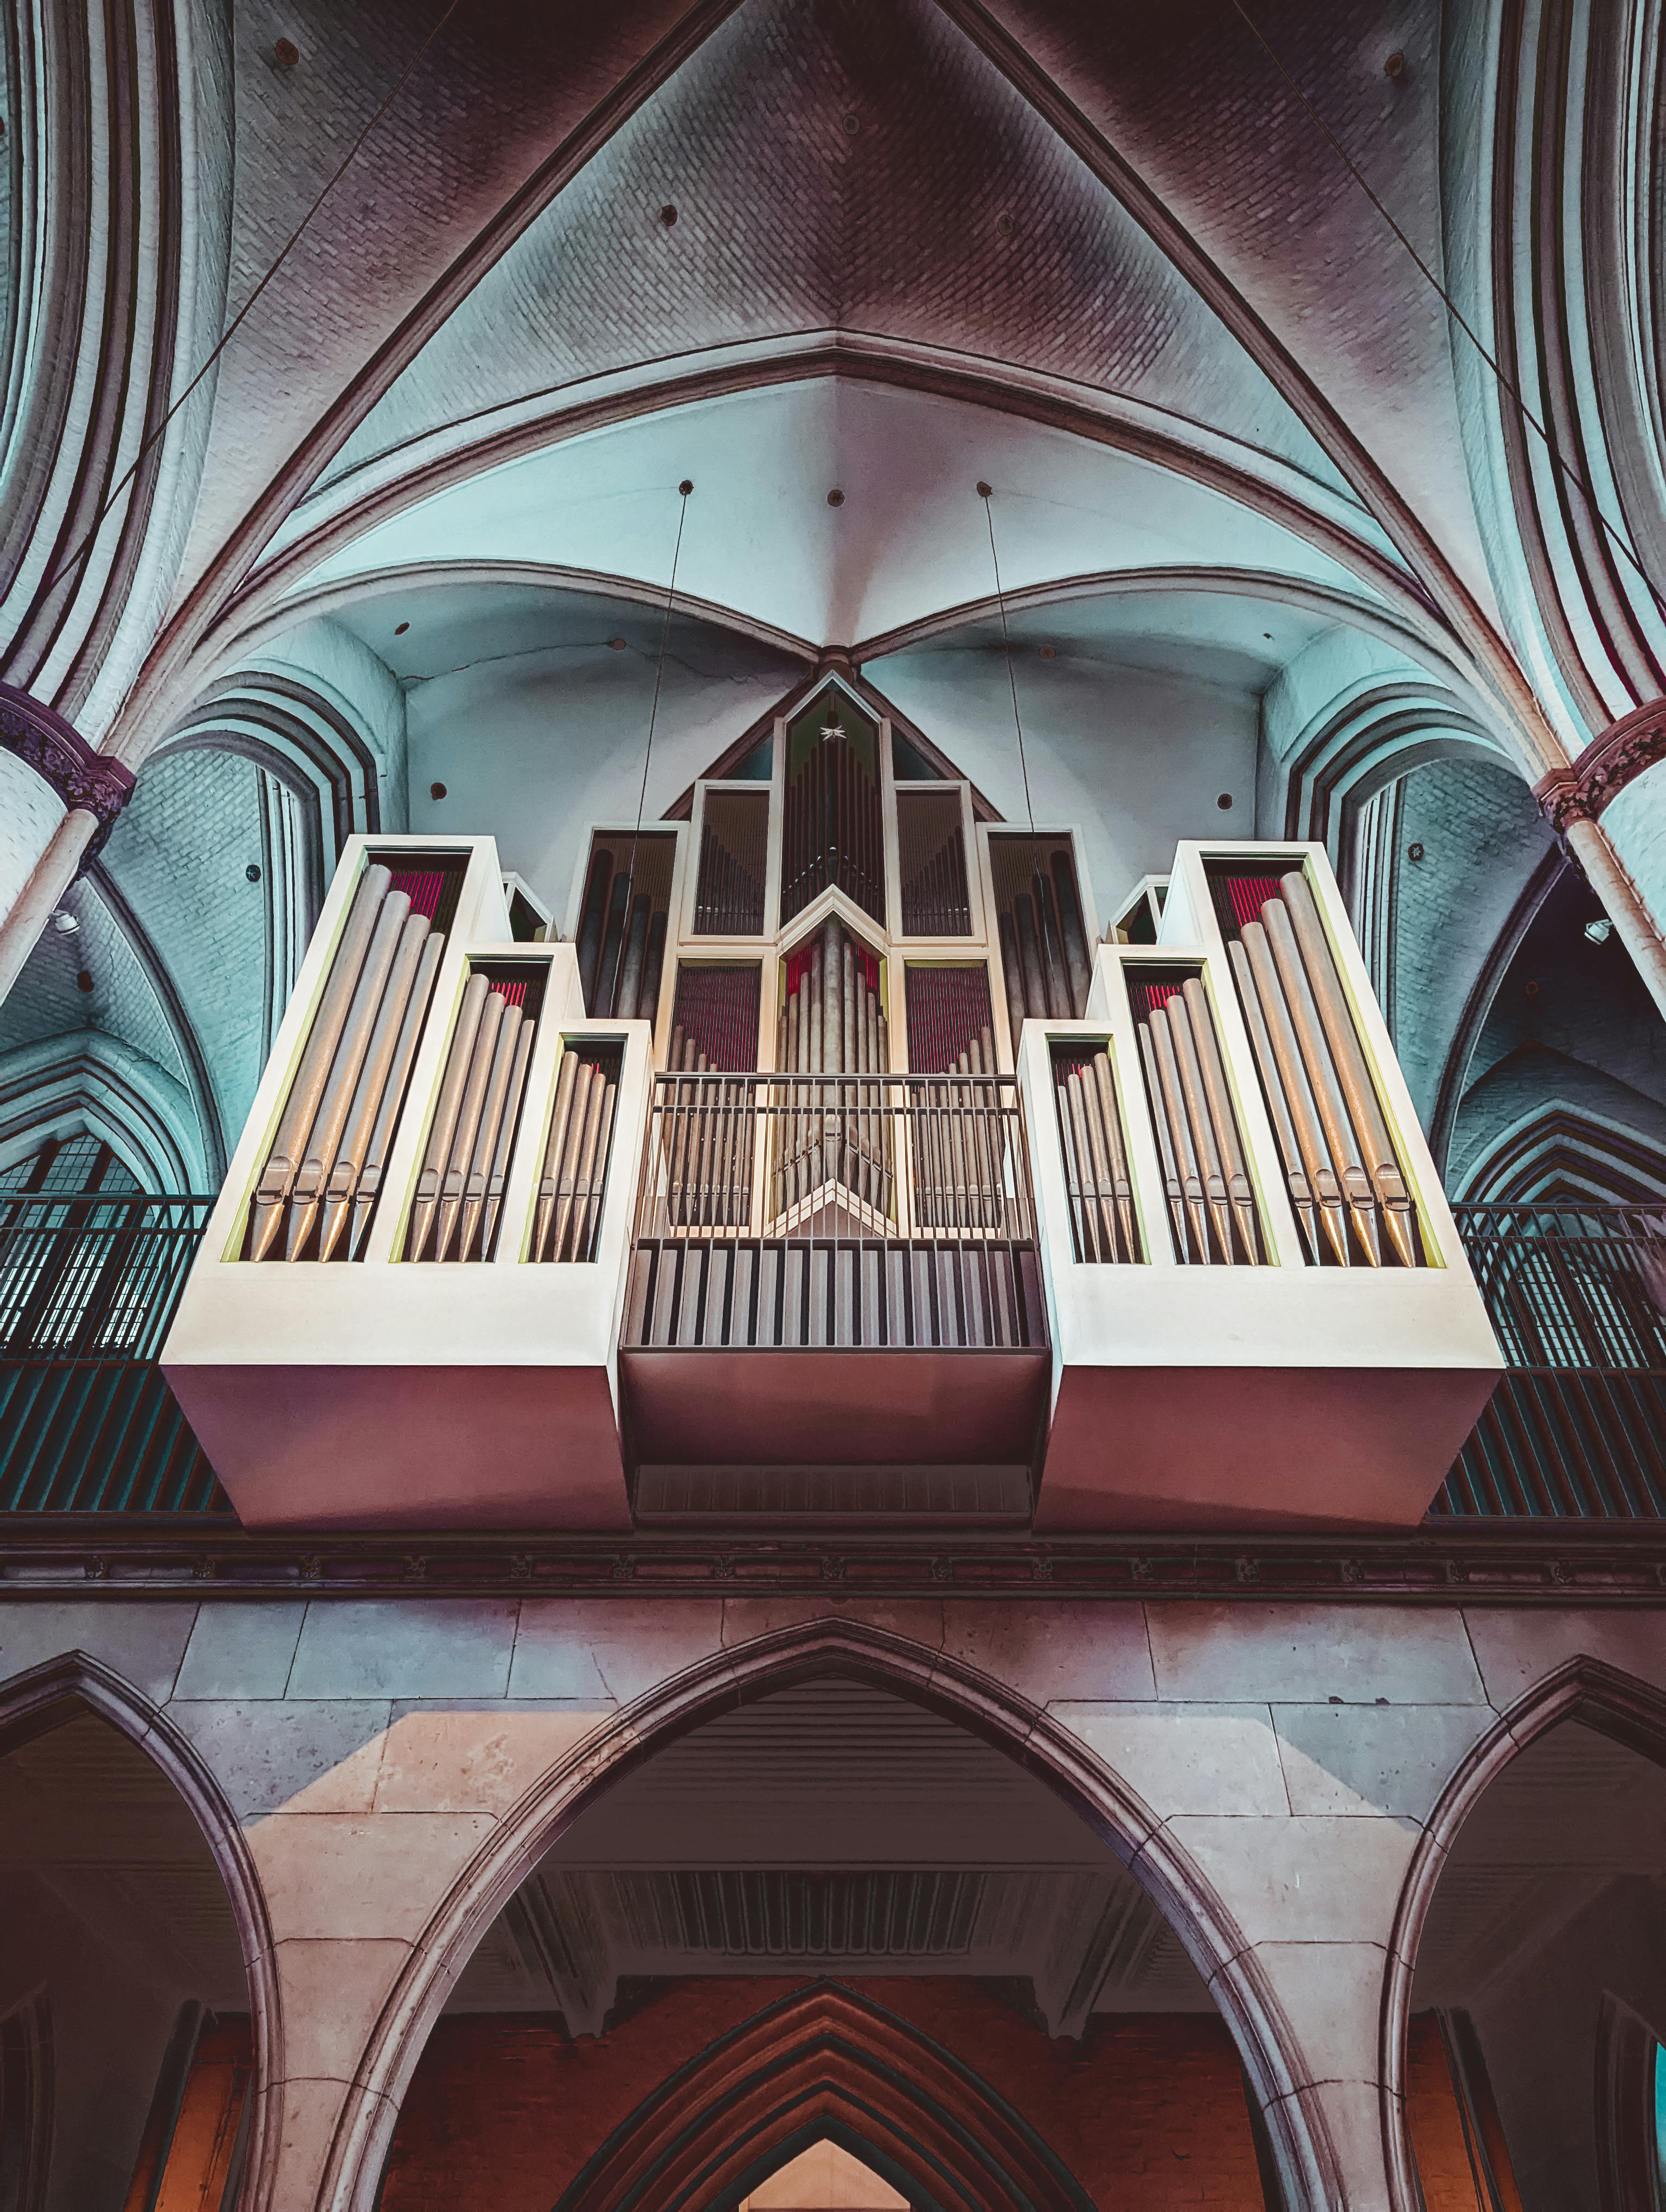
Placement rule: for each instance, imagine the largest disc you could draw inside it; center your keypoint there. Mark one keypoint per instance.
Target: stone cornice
(1513, 1564)
(1608, 763)
(60, 756)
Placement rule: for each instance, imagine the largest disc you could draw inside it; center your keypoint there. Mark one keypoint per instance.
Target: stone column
(1610, 809)
(58, 802)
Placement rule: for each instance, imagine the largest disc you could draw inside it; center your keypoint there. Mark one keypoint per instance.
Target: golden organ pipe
(572, 1154)
(1180, 1130)
(375, 1075)
(300, 1108)
(579, 1215)
(404, 1052)
(1097, 1164)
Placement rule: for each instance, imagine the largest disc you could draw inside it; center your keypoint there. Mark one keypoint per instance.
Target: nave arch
(1275, 2067)
(1606, 1728)
(158, 1876)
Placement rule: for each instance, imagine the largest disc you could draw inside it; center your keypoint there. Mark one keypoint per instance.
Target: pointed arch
(1600, 1697)
(42, 1698)
(824, 2061)
(1307, 2159)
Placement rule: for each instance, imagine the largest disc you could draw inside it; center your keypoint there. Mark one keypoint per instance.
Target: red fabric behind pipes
(1240, 898)
(513, 994)
(1146, 998)
(422, 886)
(948, 1007)
(718, 1008)
(867, 963)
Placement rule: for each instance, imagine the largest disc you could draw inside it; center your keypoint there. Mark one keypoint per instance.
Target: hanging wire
(683, 490)
(1618, 537)
(236, 323)
(986, 493)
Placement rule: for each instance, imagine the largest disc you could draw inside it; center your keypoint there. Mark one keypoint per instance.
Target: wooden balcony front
(835, 1305)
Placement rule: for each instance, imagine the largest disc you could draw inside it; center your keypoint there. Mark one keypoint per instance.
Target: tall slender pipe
(444, 1124)
(393, 1091)
(1357, 1088)
(1339, 1136)
(302, 1105)
(1240, 1196)
(352, 1149)
(1278, 1104)
(337, 1103)
(506, 1134)
(1204, 1147)
(468, 1123)
(1075, 934)
(591, 918)
(484, 1148)
(1180, 1129)
(1122, 1183)
(1159, 1115)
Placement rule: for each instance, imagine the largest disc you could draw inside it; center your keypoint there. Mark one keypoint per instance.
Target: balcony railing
(835, 1212)
(88, 1423)
(1577, 1428)
(890, 1212)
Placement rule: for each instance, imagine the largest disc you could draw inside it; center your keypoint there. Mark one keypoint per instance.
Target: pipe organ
(836, 1070)
(321, 1178)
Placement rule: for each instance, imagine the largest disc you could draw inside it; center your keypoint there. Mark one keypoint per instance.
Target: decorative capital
(1608, 763)
(56, 751)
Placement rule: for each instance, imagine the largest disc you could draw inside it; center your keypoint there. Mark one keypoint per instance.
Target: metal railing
(1577, 1428)
(88, 1424)
(835, 1212)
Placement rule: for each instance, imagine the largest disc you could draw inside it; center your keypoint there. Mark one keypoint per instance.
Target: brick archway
(824, 2061)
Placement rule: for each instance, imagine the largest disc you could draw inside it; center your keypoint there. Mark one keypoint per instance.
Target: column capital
(1614, 758)
(40, 737)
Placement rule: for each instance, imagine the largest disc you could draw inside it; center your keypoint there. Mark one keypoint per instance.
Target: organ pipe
(1206, 1180)
(567, 1218)
(324, 1166)
(1097, 1180)
(1339, 1158)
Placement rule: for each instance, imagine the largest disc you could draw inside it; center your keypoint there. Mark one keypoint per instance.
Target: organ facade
(835, 1114)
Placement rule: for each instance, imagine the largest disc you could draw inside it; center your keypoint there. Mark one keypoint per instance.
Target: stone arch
(57, 1086)
(824, 2061)
(39, 1698)
(1307, 2159)
(1603, 1697)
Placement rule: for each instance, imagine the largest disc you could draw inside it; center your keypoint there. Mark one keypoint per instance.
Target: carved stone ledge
(56, 751)
(1579, 793)
(1446, 1562)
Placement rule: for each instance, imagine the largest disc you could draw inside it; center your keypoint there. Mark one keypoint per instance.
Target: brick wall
(1148, 2111)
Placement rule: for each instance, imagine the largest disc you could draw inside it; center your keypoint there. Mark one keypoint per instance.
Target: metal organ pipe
(277, 1177)
(352, 1151)
(325, 1162)
(1339, 1157)
(571, 1186)
(404, 1052)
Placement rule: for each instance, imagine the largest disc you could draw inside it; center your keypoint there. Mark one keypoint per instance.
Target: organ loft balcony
(832, 1169)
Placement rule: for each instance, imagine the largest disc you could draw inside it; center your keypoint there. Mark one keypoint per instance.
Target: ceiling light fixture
(64, 922)
(436, 791)
(616, 645)
(1225, 802)
(835, 499)
(286, 53)
(668, 215)
(1600, 931)
(400, 628)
